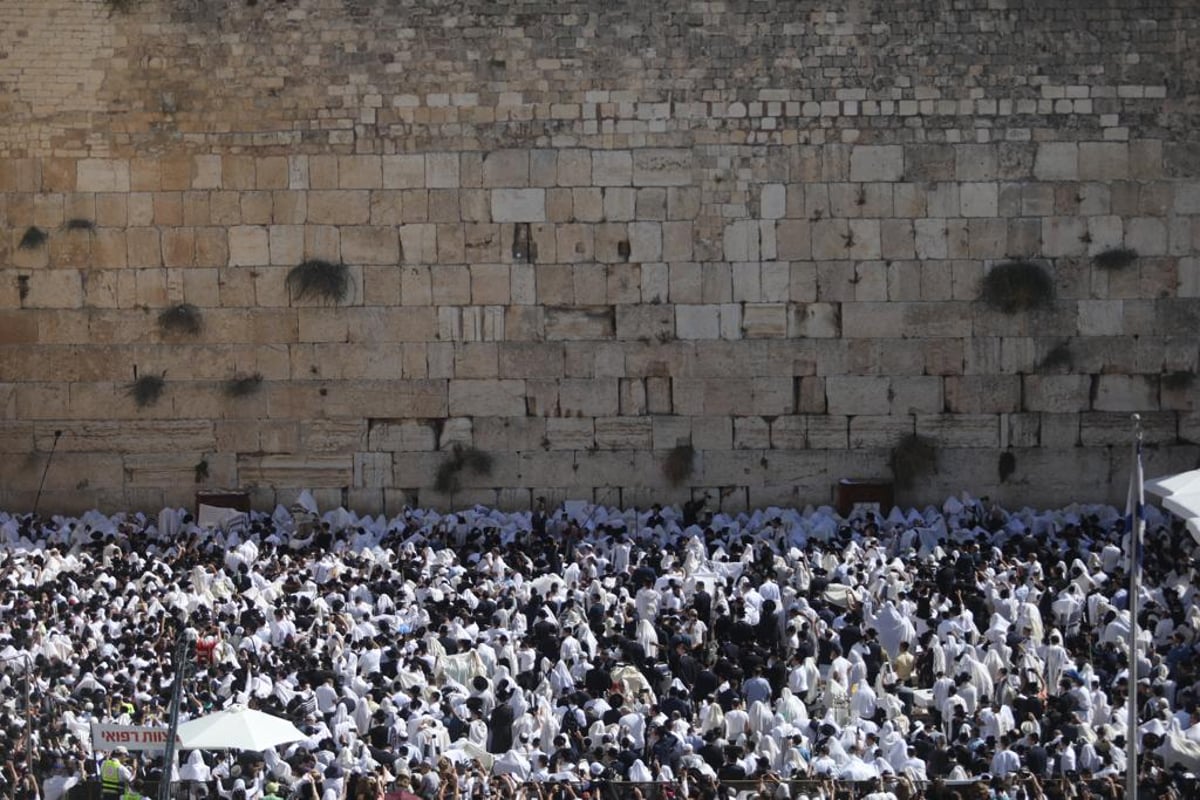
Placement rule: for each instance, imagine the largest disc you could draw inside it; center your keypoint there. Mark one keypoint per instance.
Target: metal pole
(182, 646)
(1137, 524)
(50, 458)
(28, 713)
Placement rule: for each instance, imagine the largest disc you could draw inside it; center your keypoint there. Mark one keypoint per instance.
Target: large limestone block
(698, 321)
(655, 166)
(1126, 393)
(506, 168)
(1056, 161)
(335, 207)
(873, 320)
(518, 205)
(857, 394)
(960, 430)
(624, 433)
(1104, 161)
(612, 168)
(487, 398)
(815, 320)
(876, 431)
(364, 244)
(570, 433)
(1055, 393)
(596, 397)
(102, 175)
(575, 323)
(978, 199)
(646, 322)
(983, 394)
(531, 359)
(764, 320)
(133, 436)
(295, 470)
(876, 163)
(249, 246)
(401, 435)
(916, 394)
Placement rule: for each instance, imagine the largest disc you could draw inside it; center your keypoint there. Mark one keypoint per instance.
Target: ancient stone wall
(582, 237)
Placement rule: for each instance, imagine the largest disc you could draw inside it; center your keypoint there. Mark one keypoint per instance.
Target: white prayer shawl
(633, 683)
(893, 628)
(711, 718)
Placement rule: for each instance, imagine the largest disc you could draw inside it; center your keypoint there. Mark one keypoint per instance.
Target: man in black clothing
(702, 602)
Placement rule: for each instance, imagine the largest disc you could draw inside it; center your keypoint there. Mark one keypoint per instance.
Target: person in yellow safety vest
(115, 777)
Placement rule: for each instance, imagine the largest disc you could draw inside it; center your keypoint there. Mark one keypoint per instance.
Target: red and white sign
(106, 737)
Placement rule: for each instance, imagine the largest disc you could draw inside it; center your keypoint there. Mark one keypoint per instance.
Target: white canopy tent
(1181, 496)
(236, 728)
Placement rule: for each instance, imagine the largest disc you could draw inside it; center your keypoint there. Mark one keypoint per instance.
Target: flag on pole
(1135, 507)
(1135, 522)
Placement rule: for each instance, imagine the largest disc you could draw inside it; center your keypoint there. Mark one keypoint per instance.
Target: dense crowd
(966, 651)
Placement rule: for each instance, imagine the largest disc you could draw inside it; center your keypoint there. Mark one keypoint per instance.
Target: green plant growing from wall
(181, 318)
(1007, 465)
(243, 385)
(80, 224)
(1058, 357)
(461, 459)
(679, 464)
(1115, 258)
(1178, 381)
(322, 280)
(1017, 286)
(201, 470)
(34, 238)
(147, 389)
(914, 457)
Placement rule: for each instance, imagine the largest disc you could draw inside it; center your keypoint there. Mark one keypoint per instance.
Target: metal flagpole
(1135, 511)
(183, 645)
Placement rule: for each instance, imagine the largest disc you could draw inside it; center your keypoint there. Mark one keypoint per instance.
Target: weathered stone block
(624, 433)
(764, 320)
(876, 163)
(580, 323)
(487, 398)
(518, 205)
(697, 321)
(506, 168)
(657, 166)
(1056, 161)
(856, 394)
(612, 168)
(598, 397)
(1125, 393)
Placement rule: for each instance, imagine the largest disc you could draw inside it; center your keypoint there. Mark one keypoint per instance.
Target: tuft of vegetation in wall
(34, 238)
(243, 385)
(321, 280)
(147, 389)
(80, 224)
(461, 459)
(1059, 357)
(1179, 381)
(1115, 258)
(1017, 286)
(679, 464)
(1008, 465)
(201, 470)
(914, 457)
(181, 318)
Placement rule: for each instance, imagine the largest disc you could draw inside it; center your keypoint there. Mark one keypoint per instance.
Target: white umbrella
(237, 728)
(1181, 496)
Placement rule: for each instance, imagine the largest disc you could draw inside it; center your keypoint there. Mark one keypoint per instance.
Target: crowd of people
(588, 653)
